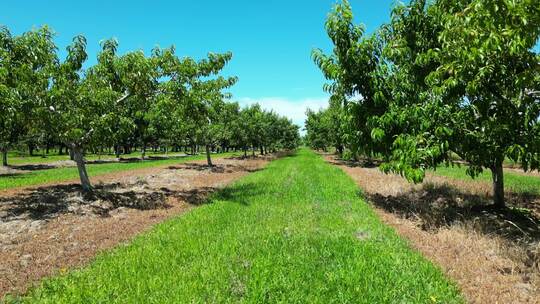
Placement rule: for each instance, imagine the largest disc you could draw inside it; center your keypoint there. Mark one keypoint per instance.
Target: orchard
(124, 102)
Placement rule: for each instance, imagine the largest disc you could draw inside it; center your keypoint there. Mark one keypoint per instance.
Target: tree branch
(124, 97)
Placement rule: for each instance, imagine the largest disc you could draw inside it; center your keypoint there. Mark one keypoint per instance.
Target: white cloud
(295, 109)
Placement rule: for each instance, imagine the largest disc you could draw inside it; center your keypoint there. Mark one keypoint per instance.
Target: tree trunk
(4, 157)
(31, 149)
(71, 156)
(117, 151)
(340, 150)
(245, 152)
(60, 148)
(253, 150)
(79, 159)
(262, 149)
(143, 151)
(498, 185)
(208, 158)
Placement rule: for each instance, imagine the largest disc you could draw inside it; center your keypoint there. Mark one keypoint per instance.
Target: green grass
(514, 182)
(296, 232)
(18, 158)
(38, 177)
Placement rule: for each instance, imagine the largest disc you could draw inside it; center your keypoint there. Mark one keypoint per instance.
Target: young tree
(203, 98)
(318, 130)
(73, 107)
(82, 103)
(353, 70)
(252, 123)
(242, 130)
(229, 116)
(139, 76)
(117, 125)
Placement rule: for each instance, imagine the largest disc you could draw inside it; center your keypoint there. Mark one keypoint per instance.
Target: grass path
(40, 177)
(296, 232)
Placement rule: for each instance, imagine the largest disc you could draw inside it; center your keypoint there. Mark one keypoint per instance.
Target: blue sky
(271, 40)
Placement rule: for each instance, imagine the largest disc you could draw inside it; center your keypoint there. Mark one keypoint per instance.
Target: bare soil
(50, 229)
(492, 254)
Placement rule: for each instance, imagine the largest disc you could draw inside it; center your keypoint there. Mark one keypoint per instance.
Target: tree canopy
(125, 100)
(442, 78)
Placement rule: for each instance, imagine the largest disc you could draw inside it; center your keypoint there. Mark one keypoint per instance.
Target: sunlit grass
(296, 232)
(19, 158)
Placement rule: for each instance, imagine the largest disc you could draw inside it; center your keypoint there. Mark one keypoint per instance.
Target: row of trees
(129, 99)
(443, 77)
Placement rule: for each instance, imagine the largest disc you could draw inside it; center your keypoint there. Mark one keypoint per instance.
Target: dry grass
(493, 255)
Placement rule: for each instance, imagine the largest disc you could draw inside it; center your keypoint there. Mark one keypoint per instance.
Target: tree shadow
(436, 205)
(278, 154)
(228, 168)
(49, 202)
(196, 196)
(52, 201)
(236, 193)
(101, 161)
(363, 162)
(11, 175)
(239, 193)
(32, 167)
(149, 158)
(242, 157)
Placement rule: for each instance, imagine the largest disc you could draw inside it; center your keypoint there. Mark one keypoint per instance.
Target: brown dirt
(103, 178)
(50, 229)
(493, 255)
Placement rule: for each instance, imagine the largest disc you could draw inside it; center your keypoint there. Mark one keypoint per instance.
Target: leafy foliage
(124, 100)
(442, 77)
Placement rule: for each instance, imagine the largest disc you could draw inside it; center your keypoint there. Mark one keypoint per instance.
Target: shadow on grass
(32, 167)
(240, 193)
(11, 175)
(237, 193)
(363, 163)
(25, 168)
(278, 154)
(147, 158)
(228, 168)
